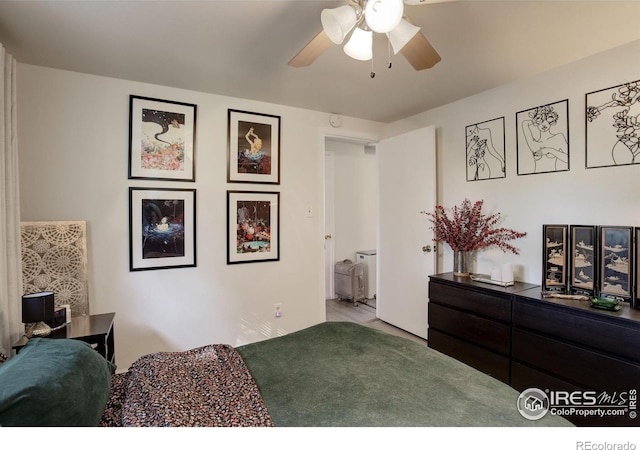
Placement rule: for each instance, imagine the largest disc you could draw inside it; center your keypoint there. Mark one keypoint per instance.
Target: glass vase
(461, 263)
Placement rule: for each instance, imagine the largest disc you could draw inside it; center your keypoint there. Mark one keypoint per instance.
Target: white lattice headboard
(54, 258)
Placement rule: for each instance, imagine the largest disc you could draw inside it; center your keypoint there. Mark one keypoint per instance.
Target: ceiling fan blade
(316, 47)
(425, 2)
(420, 53)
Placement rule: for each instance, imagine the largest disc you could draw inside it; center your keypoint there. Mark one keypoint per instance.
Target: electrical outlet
(278, 308)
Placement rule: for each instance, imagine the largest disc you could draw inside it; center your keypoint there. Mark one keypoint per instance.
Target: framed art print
(162, 228)
(253, 226)
(485, 150)
(542, 139)
(161, 139)
(616, 269)
(612, 132)
(555, 261)
(253, 142)
(636, 300)
(583, 259)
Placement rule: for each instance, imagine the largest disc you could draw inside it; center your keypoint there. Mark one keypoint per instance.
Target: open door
(406, 252)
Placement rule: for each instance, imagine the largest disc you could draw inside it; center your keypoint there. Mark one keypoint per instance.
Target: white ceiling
(241, 48)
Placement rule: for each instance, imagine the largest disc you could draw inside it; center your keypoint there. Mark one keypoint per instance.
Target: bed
(334, 374)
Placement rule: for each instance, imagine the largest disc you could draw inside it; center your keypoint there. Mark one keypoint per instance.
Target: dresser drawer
(577, 365)
(489, 305)
(485, 361)
(525, 377)
(480, 331)
(577, 327)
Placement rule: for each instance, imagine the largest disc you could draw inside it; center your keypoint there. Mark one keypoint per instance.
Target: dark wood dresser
(525, 340)
(568, 345)
(471, 321)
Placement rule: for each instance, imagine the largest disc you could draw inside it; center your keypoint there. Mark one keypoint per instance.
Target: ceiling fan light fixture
(401, 35)
(360, 45)
(382, 16)
(337, 22)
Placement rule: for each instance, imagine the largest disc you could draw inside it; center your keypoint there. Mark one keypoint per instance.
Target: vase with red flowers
(467, 229)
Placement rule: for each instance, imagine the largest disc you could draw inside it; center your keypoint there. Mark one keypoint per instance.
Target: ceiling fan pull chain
(388, 54)
(373, 74)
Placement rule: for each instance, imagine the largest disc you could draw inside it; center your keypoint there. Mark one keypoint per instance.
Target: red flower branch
(468, 229)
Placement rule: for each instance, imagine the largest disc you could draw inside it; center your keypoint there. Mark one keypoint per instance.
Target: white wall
(73, 144)
(356, 199)
(598, 196)
(73, 140)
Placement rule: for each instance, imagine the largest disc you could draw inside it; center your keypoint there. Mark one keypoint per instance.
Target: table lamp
(36, 308)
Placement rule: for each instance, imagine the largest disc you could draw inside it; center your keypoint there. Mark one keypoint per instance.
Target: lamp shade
(38, 307)
(402, 34)
(337, 22)
(382, 16)
(360, 45)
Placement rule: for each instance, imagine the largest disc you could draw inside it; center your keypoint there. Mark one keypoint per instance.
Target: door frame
(351, 137)
(329, 224)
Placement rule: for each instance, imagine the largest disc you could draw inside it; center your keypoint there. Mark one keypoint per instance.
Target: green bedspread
(345, 374)
(54, 382)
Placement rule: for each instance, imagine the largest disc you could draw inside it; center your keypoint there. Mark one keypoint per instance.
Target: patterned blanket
(207, 386)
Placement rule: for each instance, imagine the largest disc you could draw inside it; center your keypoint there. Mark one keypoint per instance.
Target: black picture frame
(584, 262)
(542, 139)
(485, 150)
(162, 228)
(162, 139)
(253, 226)
(611, 135)
(555, 257)
(616, 262)
(253, 147)
(636, 245)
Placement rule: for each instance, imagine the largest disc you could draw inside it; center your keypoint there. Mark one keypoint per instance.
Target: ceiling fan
(362, 18)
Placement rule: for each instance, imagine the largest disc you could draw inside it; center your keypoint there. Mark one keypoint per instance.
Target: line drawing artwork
(543, 139)
(613, 126)
(485, 151)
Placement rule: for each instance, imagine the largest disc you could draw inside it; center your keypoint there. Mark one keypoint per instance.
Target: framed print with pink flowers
(161, 139)
(612, 128)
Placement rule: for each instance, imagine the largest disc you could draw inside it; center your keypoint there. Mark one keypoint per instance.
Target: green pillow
(54, 382)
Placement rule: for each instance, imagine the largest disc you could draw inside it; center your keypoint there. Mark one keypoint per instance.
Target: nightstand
(96, 330)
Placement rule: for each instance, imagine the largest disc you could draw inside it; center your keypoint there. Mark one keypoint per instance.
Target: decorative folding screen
(54, 258)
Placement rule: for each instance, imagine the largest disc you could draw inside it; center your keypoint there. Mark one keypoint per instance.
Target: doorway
(405, 185)
(351, 198)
